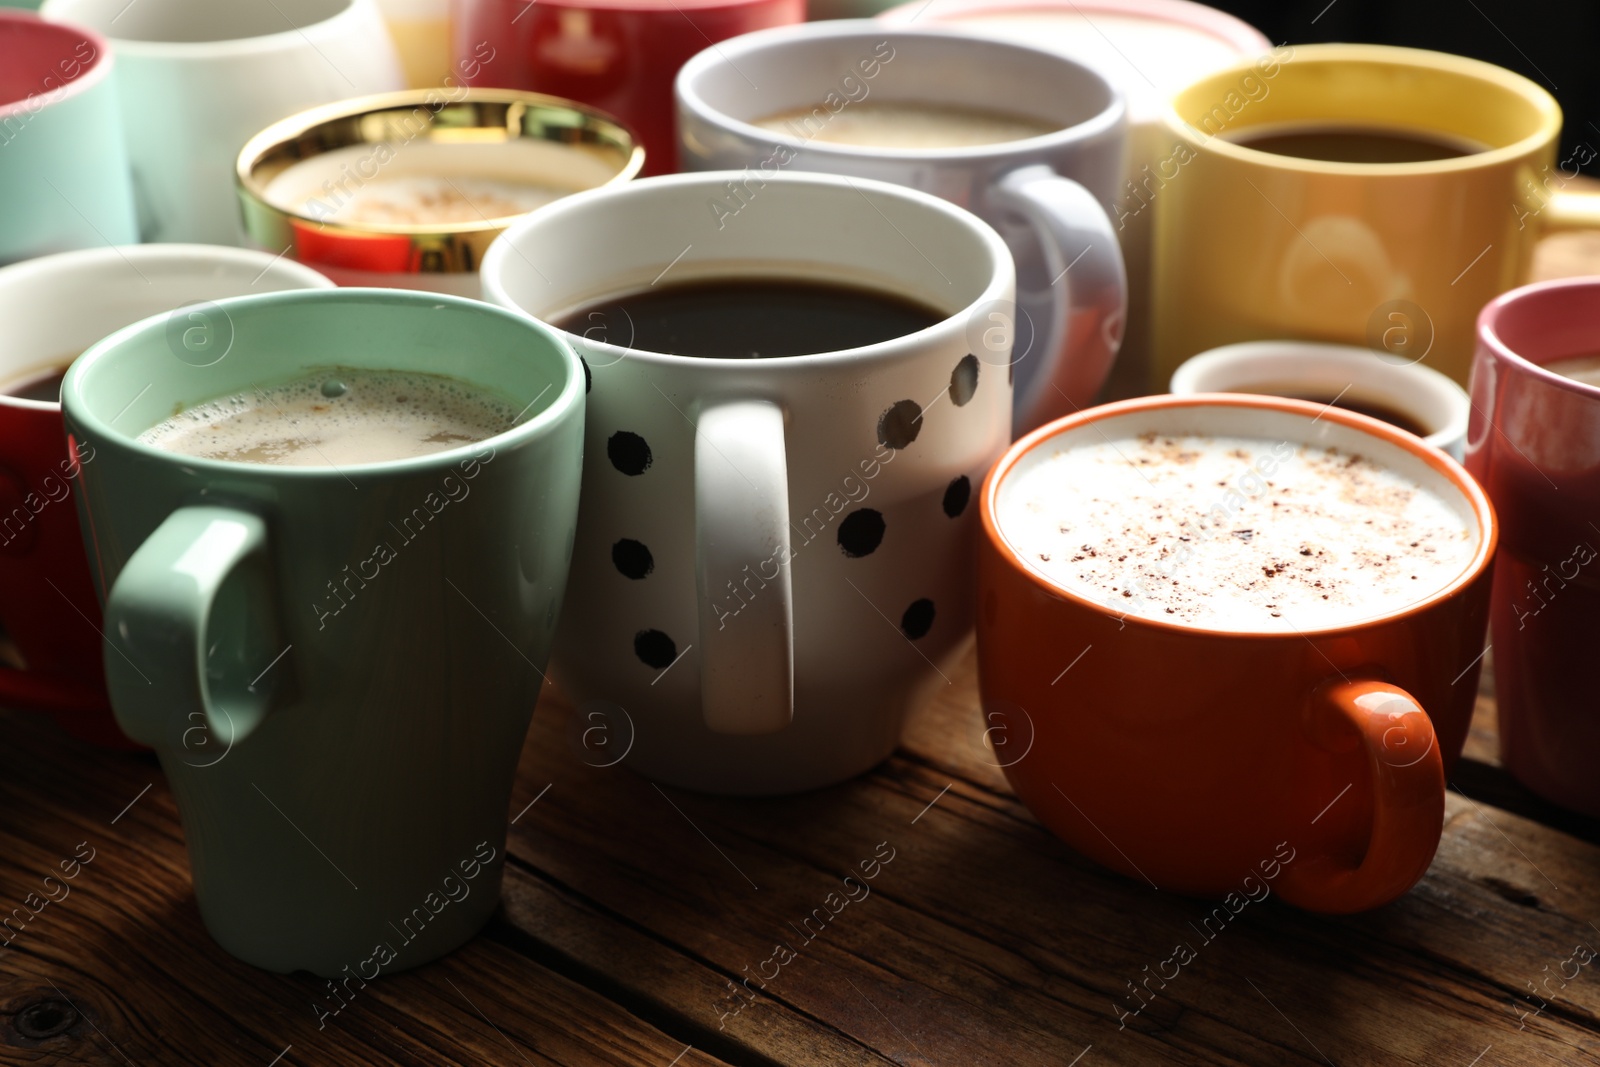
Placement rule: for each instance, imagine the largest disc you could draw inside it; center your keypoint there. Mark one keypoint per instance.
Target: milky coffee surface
(1233, 533)
(340, 418)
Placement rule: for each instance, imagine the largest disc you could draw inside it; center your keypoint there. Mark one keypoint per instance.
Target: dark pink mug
(620, 56)
(1533, 441)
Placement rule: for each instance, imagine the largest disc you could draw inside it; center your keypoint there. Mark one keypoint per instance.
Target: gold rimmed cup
(409, 189)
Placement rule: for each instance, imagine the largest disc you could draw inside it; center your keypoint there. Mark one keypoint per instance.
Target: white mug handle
(1091, 291)
(741, 532)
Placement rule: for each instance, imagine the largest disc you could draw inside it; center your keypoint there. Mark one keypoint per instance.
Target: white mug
(1356, 376)
(197, 78)
(1048, 195)
(796, 531)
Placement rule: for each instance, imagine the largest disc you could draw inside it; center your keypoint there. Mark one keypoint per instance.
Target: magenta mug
(1533, 441)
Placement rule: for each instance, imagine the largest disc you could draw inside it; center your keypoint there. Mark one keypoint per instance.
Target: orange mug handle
(1407, 804)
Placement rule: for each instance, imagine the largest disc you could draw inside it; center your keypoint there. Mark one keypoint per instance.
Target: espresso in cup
(42, 384)
(1355, 144)
(751, 318)
(341, 418)
(907, 124)
(1234, 533)
(1361, 406)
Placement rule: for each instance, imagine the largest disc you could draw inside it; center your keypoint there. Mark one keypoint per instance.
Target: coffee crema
(340, 417)
(1585, 369)
(432, 183)
(1233, 533)
(1342, 143)
(750, 318)
(891, 124)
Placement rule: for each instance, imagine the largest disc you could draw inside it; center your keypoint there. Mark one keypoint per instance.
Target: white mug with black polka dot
(774, 556)
(1027, 139)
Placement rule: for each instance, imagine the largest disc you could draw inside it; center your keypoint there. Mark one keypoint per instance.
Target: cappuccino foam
(1232, 533)
(905, 125)
(339, 418)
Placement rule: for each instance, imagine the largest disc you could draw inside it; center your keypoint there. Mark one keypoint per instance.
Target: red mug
(1533, 440)
(620, 56)
(1228, 761)
(53, 308)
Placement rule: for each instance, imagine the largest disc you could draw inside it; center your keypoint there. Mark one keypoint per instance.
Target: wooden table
(630, 911)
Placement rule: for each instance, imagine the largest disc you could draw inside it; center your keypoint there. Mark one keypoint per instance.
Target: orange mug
(1231, 762)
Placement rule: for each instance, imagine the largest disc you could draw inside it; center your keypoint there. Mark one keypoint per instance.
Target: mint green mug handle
(188, 632)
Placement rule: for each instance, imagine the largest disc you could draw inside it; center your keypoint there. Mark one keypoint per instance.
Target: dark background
(1556, 44)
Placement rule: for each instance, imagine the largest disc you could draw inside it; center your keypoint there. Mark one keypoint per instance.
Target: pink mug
(1533, 441)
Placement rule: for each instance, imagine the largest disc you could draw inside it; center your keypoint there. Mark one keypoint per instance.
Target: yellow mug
(1253, 245)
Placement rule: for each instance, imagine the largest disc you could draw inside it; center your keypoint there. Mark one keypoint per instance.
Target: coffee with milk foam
(1233, 533)
(892, 124)
(338, 418)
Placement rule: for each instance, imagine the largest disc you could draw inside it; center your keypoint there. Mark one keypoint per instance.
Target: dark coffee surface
(1376, 411)
(1355, 144)
(732, 318)
(45, 386)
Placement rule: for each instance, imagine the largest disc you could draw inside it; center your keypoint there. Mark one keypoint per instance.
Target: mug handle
(159, 621)
(741, 530)
(1407, 805)
(1572, 210)
(1081, 251)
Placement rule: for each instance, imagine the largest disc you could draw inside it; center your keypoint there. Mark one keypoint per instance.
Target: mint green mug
(336, 666)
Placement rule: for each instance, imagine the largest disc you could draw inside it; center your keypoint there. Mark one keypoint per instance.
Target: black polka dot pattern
(956, 495)
(629, 453)
(588, 378)
(632, 558)
(861, 532)
(964, 380)
(918, 619)
(899, 426)
(657, 650)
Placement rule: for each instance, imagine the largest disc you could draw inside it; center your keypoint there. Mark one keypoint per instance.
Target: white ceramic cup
(1048, 196)
(1149, 49)
(1356, 375)
(797, 531)
(197, 78)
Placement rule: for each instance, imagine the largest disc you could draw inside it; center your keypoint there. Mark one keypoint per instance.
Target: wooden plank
(985, 940)
(120, 966)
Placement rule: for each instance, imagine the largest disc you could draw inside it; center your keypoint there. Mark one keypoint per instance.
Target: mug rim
(688, 95)
(1489, 334)
(463, 244)
(1384, 55)
(1001, 274)
(224, 47)
(185, 255)
(1226, 27)
(540, 425)
(1447, 468)
(99, 69)
(1222, 362)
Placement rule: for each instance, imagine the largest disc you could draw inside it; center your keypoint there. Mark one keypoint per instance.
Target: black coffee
(45, 385)
(1354, 144)
(728, 318)
(1381, 412)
